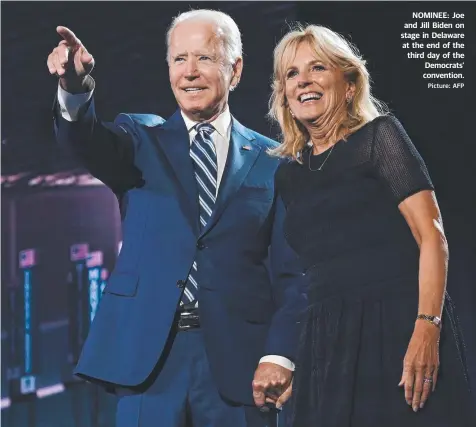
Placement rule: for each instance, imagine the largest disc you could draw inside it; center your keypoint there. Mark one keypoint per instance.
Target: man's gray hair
(226, 28)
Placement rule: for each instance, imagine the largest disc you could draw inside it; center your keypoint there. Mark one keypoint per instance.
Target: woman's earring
(348, 98)
(292, 114)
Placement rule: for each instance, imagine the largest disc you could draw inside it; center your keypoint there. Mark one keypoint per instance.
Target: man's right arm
(105, 149)
(73, 105)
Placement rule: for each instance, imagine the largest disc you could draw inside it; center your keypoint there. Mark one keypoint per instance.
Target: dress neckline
(326, 151)
(316, 156)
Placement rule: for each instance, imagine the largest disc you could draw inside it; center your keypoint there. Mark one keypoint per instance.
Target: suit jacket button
(200, 245)
(180, 284)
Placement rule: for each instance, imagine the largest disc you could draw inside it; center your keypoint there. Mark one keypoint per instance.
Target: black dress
(362, 263)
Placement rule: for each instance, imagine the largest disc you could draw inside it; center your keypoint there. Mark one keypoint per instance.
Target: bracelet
(434, 320)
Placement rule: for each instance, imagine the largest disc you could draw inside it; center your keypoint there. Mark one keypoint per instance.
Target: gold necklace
(323, 163)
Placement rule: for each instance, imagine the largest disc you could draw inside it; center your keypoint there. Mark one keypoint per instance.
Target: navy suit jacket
(251, 290)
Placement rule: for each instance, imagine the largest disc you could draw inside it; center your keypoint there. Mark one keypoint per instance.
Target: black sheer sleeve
(397, 161)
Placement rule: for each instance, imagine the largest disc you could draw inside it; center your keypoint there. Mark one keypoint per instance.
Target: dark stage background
(49, 203)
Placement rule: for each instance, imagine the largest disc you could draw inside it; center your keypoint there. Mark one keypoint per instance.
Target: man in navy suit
(199, 321)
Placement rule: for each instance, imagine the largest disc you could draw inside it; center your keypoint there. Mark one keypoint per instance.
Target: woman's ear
(351, 89)
(350, 92)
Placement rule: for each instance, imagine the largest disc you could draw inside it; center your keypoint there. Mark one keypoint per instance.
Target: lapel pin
(246, 148)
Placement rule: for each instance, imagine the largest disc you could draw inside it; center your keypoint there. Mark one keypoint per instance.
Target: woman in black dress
(363, 217)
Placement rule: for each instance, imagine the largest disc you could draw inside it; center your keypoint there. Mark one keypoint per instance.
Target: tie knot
(206, 128)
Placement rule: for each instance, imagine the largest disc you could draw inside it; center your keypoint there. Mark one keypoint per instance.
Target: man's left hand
(271, 381)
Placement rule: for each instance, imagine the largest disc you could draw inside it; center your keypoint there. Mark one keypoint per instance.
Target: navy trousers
(183, 394)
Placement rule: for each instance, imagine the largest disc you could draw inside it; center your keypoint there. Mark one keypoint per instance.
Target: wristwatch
(435, 320)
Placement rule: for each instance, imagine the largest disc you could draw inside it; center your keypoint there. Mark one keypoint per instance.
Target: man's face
(200, 75)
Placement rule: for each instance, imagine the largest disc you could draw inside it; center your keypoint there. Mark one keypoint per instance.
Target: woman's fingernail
(421, 405)
(415, 408)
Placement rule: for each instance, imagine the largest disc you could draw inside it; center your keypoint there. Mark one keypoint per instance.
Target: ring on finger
(428, 380)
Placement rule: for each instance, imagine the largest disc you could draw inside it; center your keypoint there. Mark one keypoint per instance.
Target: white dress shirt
(72, 106)
(221, 138)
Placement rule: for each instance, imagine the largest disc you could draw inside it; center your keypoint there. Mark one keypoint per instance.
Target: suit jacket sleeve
(106, 150)
(289, 291)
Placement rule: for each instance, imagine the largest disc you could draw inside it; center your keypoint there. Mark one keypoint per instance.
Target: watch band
(434, 320)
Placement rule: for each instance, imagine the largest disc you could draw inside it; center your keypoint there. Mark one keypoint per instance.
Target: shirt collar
(221, 123)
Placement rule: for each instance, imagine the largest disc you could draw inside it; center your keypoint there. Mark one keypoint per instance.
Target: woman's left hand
(421, 363)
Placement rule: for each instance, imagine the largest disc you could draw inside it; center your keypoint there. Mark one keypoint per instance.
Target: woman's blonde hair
(337, 52)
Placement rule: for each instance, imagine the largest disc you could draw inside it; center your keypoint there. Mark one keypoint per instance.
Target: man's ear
(236, 73)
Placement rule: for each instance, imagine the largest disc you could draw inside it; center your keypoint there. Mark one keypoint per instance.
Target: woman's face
(312, 87)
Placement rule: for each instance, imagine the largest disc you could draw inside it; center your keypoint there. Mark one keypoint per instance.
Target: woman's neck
(322, 142)
(320, 145)
(327, 130)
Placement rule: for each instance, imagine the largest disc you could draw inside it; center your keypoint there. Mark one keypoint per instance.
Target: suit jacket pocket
(123, 284)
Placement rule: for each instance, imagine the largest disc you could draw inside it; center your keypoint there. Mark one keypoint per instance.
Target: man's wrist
(73, 105)
(278, 360)
(74, 87)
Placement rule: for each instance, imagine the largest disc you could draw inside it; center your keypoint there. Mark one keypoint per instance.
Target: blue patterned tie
(204, 158)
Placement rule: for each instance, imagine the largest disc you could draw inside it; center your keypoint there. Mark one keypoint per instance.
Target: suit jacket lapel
(242, 155)
(175, 143)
